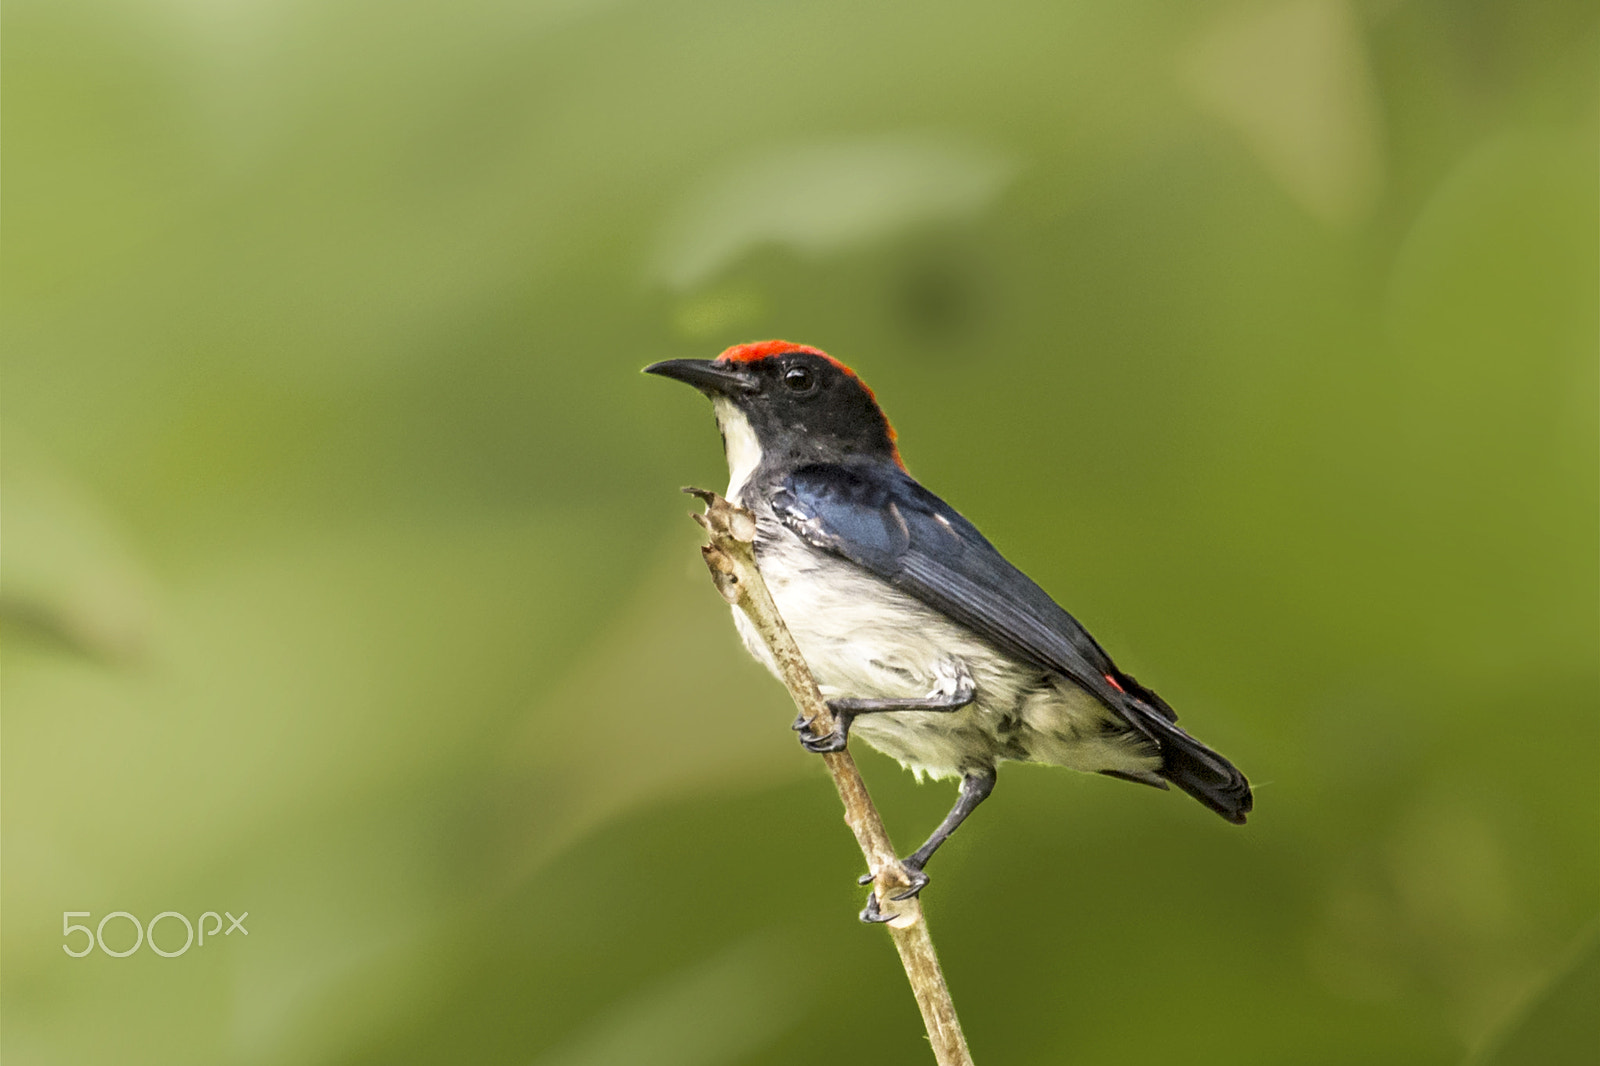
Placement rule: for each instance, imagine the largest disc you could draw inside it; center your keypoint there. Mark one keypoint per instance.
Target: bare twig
(731, 559)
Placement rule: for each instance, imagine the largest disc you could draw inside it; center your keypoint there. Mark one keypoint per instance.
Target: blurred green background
(346, 581)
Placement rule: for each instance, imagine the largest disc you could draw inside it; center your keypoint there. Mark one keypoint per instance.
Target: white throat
(739, 441)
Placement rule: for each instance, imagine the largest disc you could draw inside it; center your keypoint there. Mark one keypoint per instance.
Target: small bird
(919, 633)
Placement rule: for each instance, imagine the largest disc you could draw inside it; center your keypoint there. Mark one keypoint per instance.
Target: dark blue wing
(882, 520)
(878, 518)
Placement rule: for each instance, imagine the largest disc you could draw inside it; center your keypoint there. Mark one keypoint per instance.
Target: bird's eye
(799, 378)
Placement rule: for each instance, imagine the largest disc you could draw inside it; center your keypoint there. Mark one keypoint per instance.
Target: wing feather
(886, 523)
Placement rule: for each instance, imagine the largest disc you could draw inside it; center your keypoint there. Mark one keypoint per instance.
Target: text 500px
(145, 934)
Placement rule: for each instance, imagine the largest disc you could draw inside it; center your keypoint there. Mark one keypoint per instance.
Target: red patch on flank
(1113, 683)
(755, 351)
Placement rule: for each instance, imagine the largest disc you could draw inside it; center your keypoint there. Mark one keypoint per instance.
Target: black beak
(707, 375)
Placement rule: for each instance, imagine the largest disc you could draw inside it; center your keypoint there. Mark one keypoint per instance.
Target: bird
(925, 642)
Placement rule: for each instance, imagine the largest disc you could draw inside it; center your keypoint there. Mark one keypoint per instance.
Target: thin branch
(731, 559)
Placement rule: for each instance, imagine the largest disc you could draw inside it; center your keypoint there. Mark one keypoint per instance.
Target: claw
(801, 723)
(919, 881)
(834, 741)
(871, 914)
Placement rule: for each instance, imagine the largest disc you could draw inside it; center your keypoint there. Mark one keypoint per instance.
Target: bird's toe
(871, 914)
(919, 881)
(834, 741)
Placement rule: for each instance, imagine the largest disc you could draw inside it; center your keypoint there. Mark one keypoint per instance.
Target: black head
(800, 403)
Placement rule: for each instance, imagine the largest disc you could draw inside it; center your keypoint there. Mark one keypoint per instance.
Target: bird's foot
(919, 881)
(873, 913)
(834, 741)
(837, 740)
(915, 874)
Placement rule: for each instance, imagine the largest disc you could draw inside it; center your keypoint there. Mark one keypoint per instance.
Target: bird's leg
(975, 788)
(845, 711)
(961, 686)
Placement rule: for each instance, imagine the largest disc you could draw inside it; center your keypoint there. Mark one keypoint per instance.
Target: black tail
(1204, 774)
(1186, 762)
